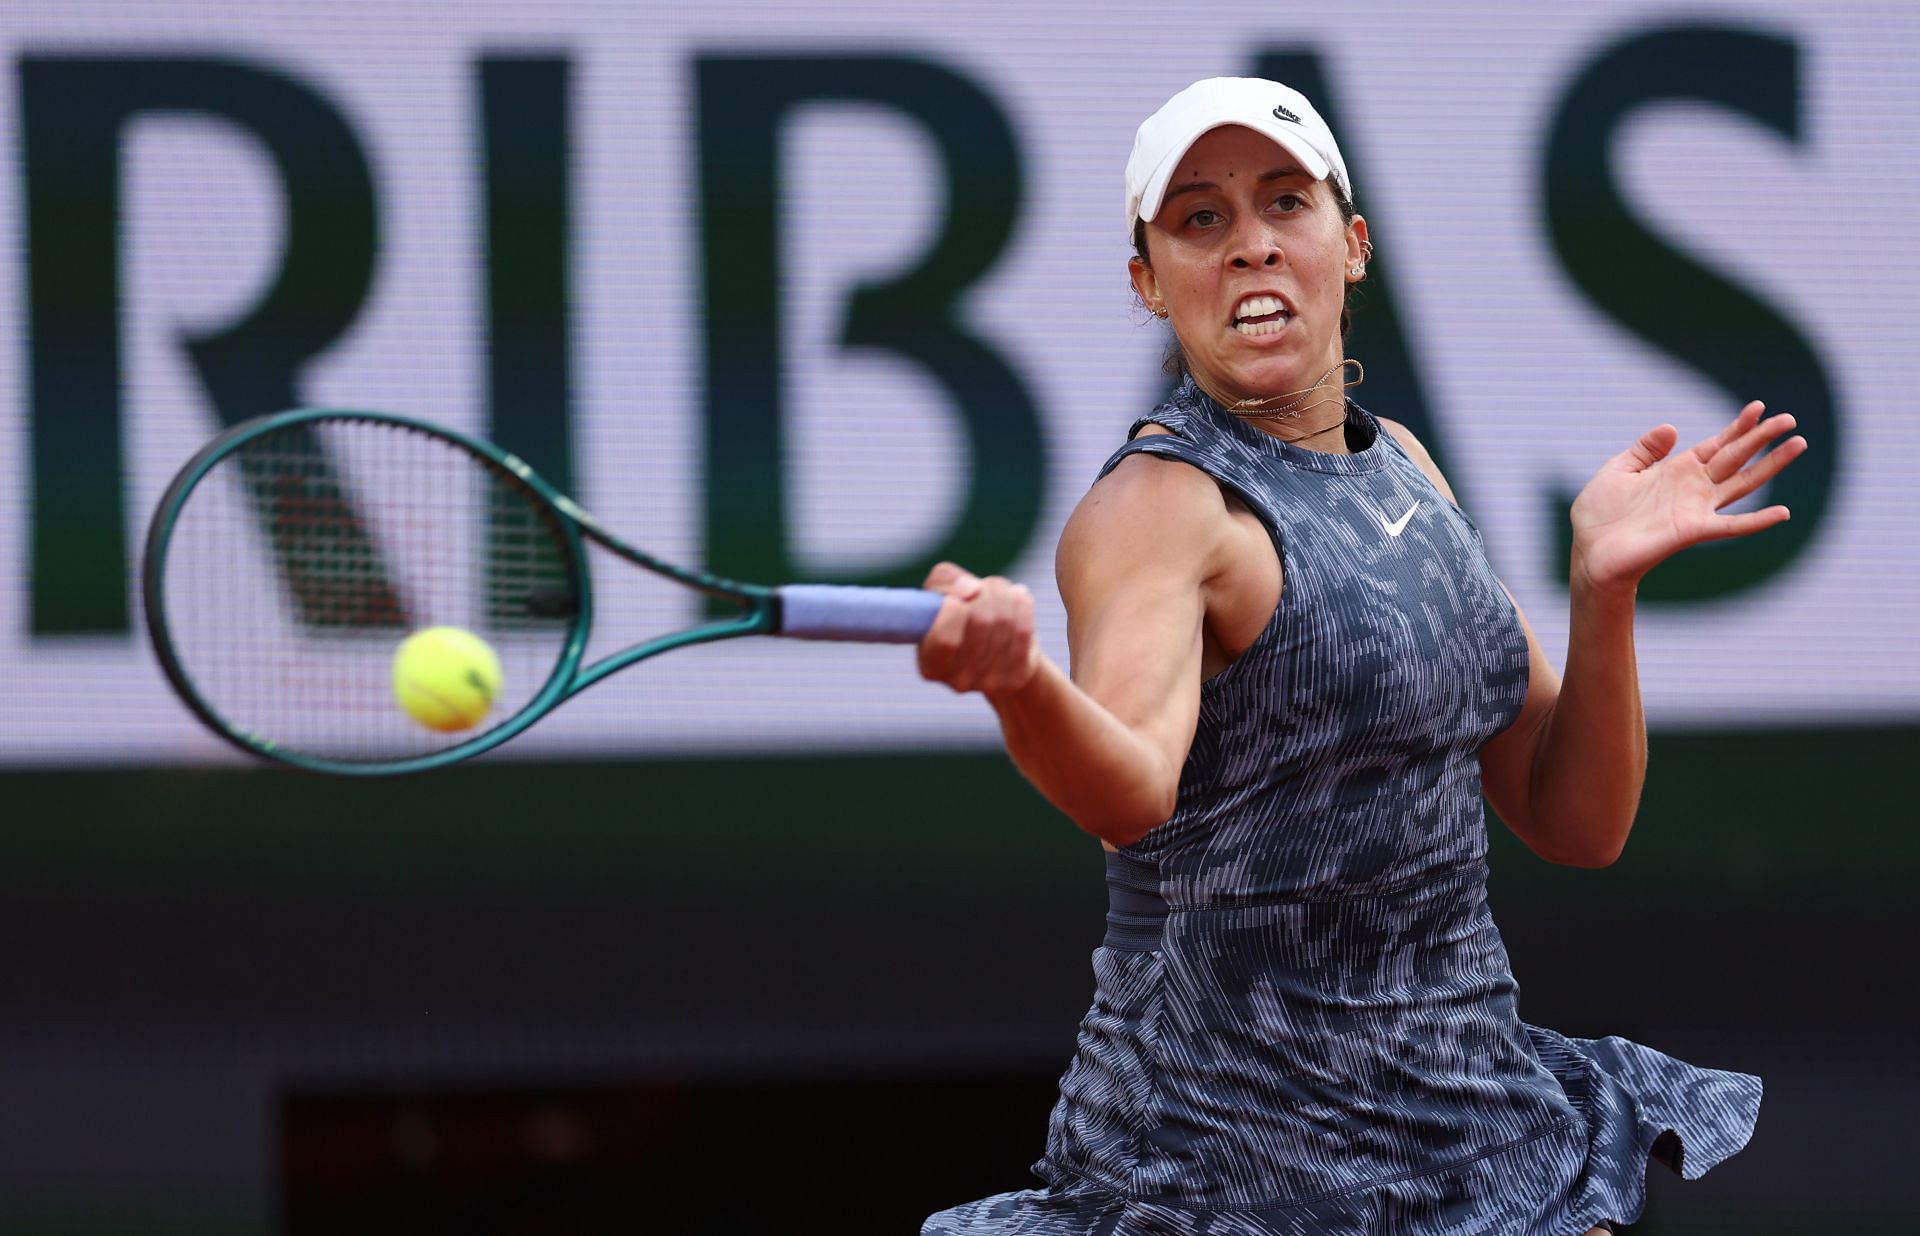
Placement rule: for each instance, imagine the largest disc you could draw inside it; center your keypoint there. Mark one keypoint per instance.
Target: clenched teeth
(1260, 315)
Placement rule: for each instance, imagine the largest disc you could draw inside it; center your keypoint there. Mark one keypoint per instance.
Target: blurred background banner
(808, 296)
(834, 292)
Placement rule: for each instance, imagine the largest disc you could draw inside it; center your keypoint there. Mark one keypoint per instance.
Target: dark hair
(1176, 361)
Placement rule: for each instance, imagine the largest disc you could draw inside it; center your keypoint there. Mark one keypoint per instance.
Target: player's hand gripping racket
(294, 553)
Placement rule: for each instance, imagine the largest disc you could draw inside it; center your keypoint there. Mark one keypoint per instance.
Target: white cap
(1280, 112)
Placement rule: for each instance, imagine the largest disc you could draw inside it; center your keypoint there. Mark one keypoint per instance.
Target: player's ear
(1359, 248)
(1145, 284)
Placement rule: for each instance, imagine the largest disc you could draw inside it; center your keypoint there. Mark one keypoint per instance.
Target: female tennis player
(1294, 673)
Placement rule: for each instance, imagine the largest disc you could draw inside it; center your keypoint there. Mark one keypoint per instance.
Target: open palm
(1644, 505)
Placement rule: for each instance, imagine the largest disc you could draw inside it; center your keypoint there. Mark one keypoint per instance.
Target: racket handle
(867, 615)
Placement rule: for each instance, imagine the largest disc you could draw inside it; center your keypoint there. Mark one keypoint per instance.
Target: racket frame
(760, 606)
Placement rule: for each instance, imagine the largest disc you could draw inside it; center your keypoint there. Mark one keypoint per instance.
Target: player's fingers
(997, 649)
(1734, 455)
(988, 634)
(982, 642)
(1005, 647)
(1649, 450)
(966, 644)
(1018, 665)
(943, 640)
(1770, 465)
(951, 578)
(1748, 522)
(1745, 420)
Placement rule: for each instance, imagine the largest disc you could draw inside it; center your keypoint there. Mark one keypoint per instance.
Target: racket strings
(302, 558)
(328, 563)
(530, 574)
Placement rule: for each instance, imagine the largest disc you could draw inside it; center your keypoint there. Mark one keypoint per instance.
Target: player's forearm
(1107, 777)
(1591, 763)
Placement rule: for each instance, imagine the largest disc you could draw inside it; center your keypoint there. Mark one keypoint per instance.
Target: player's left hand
(1645, 505)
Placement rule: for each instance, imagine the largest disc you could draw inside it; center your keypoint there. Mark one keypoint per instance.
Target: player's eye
(1204, 218)
(1289, 203)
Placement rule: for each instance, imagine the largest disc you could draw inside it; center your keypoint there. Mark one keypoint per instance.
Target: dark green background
(516, 928)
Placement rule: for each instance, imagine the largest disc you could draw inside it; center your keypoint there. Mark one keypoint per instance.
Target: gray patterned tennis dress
(1304, 1022)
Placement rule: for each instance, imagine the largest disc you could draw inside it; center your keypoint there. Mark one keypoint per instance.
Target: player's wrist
(1583, 580)
(1024, 685)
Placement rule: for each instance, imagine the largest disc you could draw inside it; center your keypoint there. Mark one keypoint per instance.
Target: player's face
(1250, 256)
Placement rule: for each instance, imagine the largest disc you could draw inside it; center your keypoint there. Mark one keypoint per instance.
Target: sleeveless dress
(1304, 1020)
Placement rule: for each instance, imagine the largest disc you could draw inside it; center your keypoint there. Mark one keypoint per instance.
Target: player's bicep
(1136, 646)
(1132, 565)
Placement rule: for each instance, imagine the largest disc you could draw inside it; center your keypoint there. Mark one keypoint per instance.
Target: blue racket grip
(867, 615)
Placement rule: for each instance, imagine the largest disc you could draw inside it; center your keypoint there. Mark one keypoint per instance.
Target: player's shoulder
(1416, 451)
(1148, 507)
(1405, 437)
(1147, 483)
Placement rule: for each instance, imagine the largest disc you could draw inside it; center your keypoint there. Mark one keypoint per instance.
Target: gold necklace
(1289, 406)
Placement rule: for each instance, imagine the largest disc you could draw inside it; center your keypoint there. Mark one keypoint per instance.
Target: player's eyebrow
(1199, 186)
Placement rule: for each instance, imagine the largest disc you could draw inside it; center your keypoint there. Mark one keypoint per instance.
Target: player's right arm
(1106, 744)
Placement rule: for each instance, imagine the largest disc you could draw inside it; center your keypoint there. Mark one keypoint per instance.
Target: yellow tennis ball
(446, 678)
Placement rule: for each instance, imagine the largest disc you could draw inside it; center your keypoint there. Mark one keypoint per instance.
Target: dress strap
(1167, 446)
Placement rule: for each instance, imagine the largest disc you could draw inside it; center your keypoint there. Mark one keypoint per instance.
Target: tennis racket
(292, 555)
